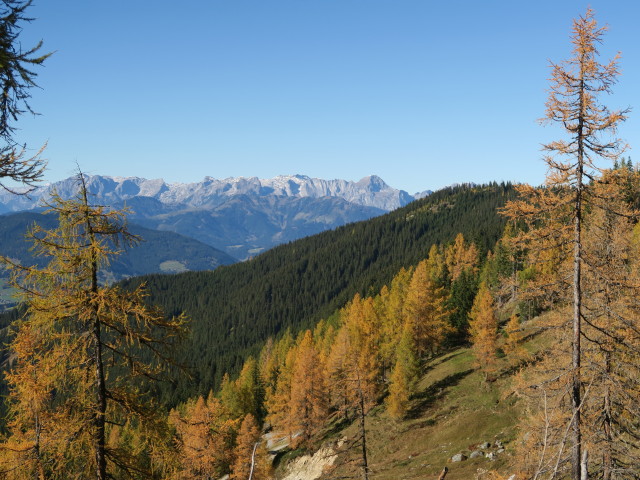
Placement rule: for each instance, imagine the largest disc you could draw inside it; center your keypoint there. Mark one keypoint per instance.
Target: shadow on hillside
(532, 335)
(425, 399)
(444, 357)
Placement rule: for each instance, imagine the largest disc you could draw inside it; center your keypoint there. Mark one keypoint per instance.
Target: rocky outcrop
(484, 449)
(310, 467)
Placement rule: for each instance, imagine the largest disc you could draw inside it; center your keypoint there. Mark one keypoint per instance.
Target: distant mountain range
(241, 216)
(371, 191)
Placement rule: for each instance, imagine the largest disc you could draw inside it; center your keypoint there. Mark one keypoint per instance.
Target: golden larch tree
(309, 395)
(392, 314)
(512, 347)
(251, 456)
(427, 311)
(554, 218)
(483, 331)
(86, 349)
(204, 438)
(460, 257)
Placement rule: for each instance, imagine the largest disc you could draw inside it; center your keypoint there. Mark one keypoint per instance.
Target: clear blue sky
(419, 92)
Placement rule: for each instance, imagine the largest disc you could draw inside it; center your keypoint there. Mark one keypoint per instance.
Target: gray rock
(485, 445)
(476, 454)
(500, 450)
(491, 456)
(459, 457)
(498, 444)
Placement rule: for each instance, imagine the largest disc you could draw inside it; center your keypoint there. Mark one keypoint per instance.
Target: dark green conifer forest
(235, 308)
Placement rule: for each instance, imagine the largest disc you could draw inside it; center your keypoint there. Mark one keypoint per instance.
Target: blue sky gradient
(421, 93)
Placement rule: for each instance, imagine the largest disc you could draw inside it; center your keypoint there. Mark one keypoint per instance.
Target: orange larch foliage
(427, 312)
(459, 257)
(309, 396)
(251, 456)
(204, 439)
(566, 270)
(483, 330)
(64, 395)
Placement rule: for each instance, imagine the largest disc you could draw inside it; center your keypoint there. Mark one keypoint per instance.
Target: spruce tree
(17, 77)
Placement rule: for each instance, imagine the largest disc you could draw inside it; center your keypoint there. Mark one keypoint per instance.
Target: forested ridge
(234, 309)
(157, 247)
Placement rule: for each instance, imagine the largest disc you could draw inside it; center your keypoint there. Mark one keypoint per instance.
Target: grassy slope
(453, 411)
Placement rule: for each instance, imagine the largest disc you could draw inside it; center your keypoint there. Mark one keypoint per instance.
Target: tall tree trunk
(101, 389)
(607, 462)
(576, 457)
(584, 465)
(39, 475)
(363, 433)
(101, 400)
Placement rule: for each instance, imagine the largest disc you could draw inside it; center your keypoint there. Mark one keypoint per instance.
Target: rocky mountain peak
(370, 191)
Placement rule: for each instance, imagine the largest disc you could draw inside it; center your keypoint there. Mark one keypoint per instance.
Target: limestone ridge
(241, 216)
(370, 191)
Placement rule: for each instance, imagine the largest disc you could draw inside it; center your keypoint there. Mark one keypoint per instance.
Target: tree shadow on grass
(532, 335)
(425, 399)
(440, 359)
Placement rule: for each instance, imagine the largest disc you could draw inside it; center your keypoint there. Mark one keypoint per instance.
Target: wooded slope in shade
(236, 308)
(158, 250)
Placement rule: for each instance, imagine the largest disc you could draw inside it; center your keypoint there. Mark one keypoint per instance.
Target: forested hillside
(160, 251)
(236, 308)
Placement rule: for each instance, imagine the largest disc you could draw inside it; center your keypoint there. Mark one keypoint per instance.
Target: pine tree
(354, 368)
(229, 396)
(272, 360)
(437, 266)
(84, 350)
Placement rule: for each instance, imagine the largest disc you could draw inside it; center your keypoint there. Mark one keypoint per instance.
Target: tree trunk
(584, 466)
(101, 389)
(40, 475)
(576, 455)
(443, 473)
(363, 434)
(101, 400)
(576, 400)
(253, 459)
(607, 423)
